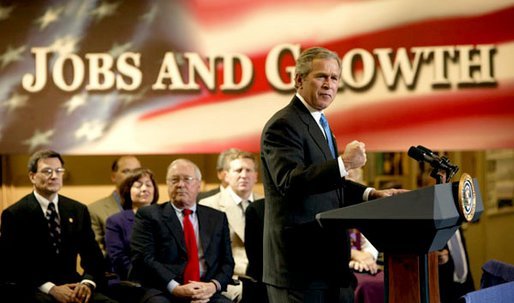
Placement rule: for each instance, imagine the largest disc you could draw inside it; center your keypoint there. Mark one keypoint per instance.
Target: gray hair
(198, 173)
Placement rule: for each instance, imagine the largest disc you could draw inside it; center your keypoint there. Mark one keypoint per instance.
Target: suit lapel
(67, 218)
(313, 128)
(335, 142)
(36, 209)
(234, 213)
(317, 136)
(205, 226)
(171, 221)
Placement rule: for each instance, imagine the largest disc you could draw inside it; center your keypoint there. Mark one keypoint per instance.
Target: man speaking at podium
(303, 175)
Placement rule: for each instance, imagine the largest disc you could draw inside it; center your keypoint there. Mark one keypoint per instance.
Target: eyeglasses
(50, 171)
(176, 179)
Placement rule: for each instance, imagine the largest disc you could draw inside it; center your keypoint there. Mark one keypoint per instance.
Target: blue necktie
(328, 134)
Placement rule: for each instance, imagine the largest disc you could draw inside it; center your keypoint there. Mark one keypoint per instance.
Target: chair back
(496, 272)
(502, 293)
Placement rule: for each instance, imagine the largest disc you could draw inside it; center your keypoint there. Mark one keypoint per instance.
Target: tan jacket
(224, 202)
(100, 211)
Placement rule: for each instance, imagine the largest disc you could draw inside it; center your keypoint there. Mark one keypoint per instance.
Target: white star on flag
(105, 10)
(16, 101)
(50, 16)
(65, 45)
(11, 55)
(90, 130)
(75, 102)
(39, 139)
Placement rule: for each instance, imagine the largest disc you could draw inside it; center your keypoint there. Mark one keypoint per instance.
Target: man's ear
(298, 80)
(32, 177)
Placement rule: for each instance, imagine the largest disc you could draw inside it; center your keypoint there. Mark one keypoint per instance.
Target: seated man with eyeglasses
(181, 250)
(43, 234)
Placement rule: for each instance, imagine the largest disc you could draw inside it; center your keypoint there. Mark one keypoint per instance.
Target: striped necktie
(54, 227)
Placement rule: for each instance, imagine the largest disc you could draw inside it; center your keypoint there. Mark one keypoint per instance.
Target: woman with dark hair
(138, 190)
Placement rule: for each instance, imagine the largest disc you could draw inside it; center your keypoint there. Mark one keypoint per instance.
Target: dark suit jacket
(301, 179)
(254, 226)
(159, 250)
(118, 232)
(29, 258)
(451, 291)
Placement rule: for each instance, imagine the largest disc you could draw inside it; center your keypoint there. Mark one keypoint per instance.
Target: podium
(407, 228)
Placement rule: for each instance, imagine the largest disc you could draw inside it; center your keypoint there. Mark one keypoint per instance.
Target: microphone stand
(437, 174)
(441, 175)
(444, 175)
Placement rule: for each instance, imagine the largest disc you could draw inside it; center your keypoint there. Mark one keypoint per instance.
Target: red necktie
(192, 271)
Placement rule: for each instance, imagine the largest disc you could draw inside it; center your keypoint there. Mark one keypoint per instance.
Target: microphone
(427, 151)
(423, 154)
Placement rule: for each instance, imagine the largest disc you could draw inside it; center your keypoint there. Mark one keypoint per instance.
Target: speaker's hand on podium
(375, 193)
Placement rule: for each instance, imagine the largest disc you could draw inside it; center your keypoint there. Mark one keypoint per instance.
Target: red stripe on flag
(470, 119)
(462, 120)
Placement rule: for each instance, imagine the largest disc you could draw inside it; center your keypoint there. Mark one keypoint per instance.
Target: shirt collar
(44, 202)
(236, 198)
(179, 210)
(316, 114)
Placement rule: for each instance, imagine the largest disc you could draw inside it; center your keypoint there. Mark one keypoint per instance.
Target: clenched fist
(354, 155)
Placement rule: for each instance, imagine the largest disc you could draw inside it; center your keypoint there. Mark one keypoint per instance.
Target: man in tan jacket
(241, 177)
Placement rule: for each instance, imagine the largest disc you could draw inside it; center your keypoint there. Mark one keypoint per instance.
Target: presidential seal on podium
(467, 200)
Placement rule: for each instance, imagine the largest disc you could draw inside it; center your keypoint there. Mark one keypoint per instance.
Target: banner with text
(199, 76)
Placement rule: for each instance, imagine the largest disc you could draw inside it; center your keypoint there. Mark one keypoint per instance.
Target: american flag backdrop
(387, 114)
